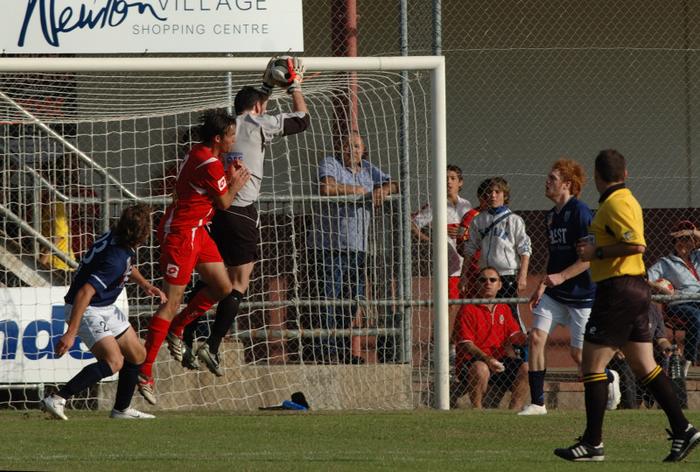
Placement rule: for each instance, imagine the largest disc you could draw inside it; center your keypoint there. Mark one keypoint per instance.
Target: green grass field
(417, 440)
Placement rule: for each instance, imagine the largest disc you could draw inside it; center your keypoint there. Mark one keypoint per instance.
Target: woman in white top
(682, 270)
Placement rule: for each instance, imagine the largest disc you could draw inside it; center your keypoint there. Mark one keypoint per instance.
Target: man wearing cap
(681, 269)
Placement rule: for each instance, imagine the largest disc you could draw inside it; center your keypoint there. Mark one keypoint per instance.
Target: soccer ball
(666, 284)
(278, 72)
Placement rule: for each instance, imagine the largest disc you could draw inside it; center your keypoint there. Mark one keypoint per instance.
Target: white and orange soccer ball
(666, 284)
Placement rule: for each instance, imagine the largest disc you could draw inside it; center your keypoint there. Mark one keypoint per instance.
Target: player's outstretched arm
(80, 304)
(147, 287)
(298, 102)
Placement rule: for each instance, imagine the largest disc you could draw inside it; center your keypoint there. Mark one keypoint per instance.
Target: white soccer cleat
(54, 405)
(130, 414)
(533, 410)
(614, 395)
(147, 389)
(175, 346)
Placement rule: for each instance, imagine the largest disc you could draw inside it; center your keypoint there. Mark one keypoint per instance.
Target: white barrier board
(158, 26)
(31, 323)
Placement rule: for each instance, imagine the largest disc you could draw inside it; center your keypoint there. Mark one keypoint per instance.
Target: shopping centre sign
(151, 26)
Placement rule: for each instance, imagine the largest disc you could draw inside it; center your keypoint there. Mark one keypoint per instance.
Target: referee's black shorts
(237, 234)
(620, 312)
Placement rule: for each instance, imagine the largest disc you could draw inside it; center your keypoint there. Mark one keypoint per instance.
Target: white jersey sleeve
(523, 246)
(423, 217)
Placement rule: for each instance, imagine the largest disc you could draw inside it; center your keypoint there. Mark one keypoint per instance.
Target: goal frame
(438, 188)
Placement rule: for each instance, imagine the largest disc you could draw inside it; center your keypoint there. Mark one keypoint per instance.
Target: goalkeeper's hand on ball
(295, 68)
(268, 81)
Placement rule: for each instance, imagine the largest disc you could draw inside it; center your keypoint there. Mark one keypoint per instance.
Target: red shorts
(180, 252)
(453, 288)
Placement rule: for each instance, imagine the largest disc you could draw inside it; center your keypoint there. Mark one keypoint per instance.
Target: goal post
(437, 151)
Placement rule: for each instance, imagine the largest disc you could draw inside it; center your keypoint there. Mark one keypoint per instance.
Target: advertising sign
(31, 323)
(151, 26)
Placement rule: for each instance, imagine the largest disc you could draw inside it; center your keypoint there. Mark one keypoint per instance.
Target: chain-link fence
(529, 82)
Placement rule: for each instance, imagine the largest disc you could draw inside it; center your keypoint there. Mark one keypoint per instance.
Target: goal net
(79, 146)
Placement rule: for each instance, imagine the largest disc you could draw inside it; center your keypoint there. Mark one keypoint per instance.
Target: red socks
(199, 305)
(154, 339)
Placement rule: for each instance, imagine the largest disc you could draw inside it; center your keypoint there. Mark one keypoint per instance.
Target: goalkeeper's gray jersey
(253, 134)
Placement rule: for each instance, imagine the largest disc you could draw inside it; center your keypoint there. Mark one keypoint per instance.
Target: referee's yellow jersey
(618, 220)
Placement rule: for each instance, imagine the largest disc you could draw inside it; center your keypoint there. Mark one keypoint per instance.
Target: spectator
(55, 227)
(55, 224)
(500, 236)
(457, 207)
(337, 258)
(681, 269)
(470, 266)
(486, 364)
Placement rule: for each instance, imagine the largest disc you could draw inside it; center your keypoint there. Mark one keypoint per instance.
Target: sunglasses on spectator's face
(493, 280)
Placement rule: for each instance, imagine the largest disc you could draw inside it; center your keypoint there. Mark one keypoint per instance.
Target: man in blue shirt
(339, 245)
(92, 314)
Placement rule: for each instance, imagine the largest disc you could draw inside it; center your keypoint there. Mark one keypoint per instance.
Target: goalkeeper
(236, 229)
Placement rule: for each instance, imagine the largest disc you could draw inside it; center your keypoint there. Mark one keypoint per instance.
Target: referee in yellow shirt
(619, 318)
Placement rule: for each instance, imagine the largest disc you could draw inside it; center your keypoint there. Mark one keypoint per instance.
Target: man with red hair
(565, 294)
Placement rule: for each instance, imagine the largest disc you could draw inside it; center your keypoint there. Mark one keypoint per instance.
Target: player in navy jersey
(91, 312)
(565, 295)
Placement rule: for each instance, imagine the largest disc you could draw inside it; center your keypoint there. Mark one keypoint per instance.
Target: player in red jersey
(201, 185)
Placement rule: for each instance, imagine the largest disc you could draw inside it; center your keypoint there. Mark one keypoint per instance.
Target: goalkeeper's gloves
(267, 82)
(296, 68)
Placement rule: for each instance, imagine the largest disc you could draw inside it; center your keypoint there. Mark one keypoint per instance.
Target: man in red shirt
(201, 185)
(484, 335)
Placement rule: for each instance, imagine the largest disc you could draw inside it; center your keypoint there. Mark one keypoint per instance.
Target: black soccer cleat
(581, 452)
(682, 444)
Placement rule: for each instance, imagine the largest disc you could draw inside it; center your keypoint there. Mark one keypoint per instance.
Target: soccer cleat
(54, 405)
(581, 452)
(130, 414)
(210, 360)
(614, 394)
(147, 389)
(533, 410)
(175, 346)
(682, 444)
(189, 360)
